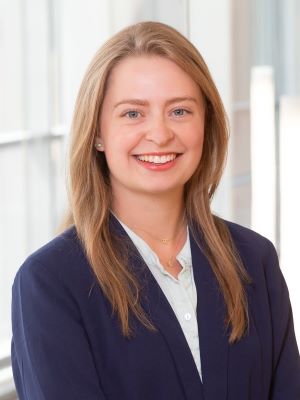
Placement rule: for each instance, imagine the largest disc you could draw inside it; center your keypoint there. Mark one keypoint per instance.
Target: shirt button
(187, 316)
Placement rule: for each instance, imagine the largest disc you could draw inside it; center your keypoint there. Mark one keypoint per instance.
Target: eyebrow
(141, 102)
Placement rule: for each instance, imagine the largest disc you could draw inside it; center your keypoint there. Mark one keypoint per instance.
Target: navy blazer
(67, 344)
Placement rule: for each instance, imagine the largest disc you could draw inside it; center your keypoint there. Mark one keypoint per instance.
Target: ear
(99, 144)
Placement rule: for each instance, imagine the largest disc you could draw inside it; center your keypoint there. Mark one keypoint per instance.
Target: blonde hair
(89, 186)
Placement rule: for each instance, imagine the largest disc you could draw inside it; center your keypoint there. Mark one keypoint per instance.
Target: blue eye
(133, 114)
(179, 112)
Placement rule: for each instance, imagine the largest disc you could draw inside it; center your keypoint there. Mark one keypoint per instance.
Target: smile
(156, 159)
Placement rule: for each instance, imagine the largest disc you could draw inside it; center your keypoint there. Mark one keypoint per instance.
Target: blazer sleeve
(51, 357)
(286, 360)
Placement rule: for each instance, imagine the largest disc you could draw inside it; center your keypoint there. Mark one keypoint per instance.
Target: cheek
(195, 141)
(117, 150)
(121, 141)
(196, 146)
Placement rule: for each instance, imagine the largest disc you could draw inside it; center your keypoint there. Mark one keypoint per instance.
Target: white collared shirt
(181, 293)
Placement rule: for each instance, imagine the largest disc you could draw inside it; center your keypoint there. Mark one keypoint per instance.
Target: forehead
(150, 74)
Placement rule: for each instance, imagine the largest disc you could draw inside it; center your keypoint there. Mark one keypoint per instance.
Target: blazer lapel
(162, 315)
(157, 306)
(211, 311)
(213, 337)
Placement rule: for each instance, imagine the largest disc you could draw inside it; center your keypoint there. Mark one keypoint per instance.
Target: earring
(99, 145)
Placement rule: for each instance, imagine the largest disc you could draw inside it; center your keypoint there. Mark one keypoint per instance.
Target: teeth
(157, 159)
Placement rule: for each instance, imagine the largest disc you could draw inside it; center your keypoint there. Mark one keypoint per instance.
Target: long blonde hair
(90, 191)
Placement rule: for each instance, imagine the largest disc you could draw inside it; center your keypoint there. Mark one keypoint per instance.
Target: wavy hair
(89, 186)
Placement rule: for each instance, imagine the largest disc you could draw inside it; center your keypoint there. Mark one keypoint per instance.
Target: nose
(159, 132)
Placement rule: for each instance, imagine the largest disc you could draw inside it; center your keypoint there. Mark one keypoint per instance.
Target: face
(152, 126)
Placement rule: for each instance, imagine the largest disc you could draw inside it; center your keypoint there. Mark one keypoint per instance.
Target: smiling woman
(147, 294)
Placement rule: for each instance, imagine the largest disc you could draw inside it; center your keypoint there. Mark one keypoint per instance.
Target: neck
(162, 216)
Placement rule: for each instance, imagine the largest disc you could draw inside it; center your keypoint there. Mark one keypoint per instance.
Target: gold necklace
(164, 241)
(172, 259)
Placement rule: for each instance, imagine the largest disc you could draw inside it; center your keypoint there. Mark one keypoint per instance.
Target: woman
(147, 295)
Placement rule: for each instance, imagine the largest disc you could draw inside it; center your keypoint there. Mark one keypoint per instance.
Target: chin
(162, 190)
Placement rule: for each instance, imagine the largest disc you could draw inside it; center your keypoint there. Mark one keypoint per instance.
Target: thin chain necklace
(164, 240)
(171, 261)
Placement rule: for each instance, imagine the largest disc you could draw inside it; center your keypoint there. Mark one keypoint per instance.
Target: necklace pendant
(170, 263)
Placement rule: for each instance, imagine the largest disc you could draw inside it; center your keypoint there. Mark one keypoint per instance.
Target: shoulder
(62, 246)
(243, 235)
(258, 254)
(246, 239)
(260, 260)
(61, 261)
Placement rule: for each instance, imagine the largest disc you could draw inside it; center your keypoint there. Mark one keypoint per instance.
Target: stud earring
(99, 145)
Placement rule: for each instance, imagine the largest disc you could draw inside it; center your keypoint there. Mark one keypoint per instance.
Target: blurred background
(252, 48)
